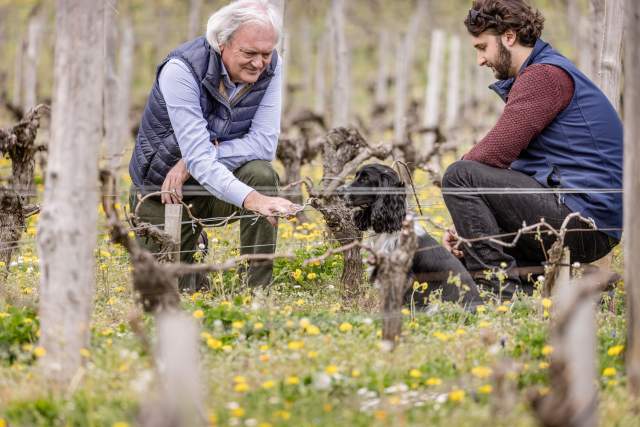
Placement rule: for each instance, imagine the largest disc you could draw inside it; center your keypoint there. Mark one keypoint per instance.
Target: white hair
(226, 21)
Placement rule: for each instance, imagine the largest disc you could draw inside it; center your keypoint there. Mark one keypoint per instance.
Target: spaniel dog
(379, 196)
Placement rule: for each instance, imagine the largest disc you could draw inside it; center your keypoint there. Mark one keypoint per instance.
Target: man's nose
(481, 60)
(257, 63)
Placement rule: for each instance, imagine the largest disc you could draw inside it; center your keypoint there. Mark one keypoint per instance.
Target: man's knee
(258, 173)
(459, 174)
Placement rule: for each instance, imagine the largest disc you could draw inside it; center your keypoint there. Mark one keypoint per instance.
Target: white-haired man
(212, 119)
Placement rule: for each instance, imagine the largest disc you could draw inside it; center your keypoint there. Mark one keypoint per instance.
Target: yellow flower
(433, 381)
(460, 331)
(456, 395)
(282, 414)
(405, 312)
(484, 324)
(292, 380)
(268, 384)
(543, 365)
(295, 345)
(481, 309)
(300, 302)
(297, 275)
(106, 332)
(481, 372)
(39, 351)
(609, 372)
(345, 327)
(265, 425)
(380, 415)
(85, 353)
(258, 326)
(615, 350)
(331, 369)
(237, 412)
(3, 423)
(241, 388)
(547, 303)
(312, 276)
(264, 358)
(485, 389)
(441, 336)
(304, 322)
(4, 314)
(214, 343)
(547, 350)
(502, 309)
(238, 324)
(355, 373)
(264, 347)
(415, 373)
(120, 424)
(239, 379)
(313, 330)
(312, 354)
(327, 407)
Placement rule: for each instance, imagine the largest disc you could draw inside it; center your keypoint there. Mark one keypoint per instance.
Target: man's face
(491, 52)
(248, 52)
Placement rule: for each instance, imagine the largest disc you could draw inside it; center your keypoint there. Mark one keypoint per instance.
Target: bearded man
(212, 120)
(558, 139)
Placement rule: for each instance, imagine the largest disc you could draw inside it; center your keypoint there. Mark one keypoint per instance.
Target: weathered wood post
(432, 97)
(341, 81)
(632, 191)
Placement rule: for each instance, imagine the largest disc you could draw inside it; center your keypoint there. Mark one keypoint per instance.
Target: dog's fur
(380, 199)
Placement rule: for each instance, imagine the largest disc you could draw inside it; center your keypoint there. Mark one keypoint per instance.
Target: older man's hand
(271, 207)
(172, 185)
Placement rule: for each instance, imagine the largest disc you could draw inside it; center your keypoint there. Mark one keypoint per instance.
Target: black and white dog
(380, 197)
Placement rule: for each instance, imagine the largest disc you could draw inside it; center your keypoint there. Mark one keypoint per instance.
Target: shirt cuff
(237, 192)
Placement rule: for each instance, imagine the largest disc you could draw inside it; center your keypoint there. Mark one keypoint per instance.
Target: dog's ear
(389, 210)
(362, 218)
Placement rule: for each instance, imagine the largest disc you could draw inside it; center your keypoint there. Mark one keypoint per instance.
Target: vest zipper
(243, 92)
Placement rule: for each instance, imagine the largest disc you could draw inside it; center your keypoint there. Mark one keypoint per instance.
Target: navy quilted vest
(581, 148)
(156, 150)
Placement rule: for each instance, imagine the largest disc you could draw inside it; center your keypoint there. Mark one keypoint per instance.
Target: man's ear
(509, 38)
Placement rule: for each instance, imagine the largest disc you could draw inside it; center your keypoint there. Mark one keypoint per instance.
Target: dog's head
(379, 194)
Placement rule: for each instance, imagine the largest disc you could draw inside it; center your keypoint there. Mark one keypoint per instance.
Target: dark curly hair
(498, 16)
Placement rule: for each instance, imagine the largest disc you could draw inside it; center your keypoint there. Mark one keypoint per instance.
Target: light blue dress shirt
(212, 167)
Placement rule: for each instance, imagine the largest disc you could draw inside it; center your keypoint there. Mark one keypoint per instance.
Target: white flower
(322, 381)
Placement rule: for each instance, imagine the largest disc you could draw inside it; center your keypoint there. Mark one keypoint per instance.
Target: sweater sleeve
(538, 95)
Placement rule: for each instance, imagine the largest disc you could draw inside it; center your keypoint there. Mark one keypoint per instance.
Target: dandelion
(264, 358)
(312, 276)
(456, 395)
(238, 324)
(295, 345)
(546, 303)
(609, 372)
(268, 384)
(441, 336)
(304, 323)
(460, 332)
(85, 353)
(312, 354)
(331, 369)
(484, 324)
(313, 330)
(258, 326)
(433, 381)
(355, 373)
(502, 309)
(547, 350)
(615, 350)
(120, 424)
(481, 372)
(543, 365)
(415, 373)
(4, 314)
(481, 309)
(237, 412)
(39, 352)
(214, 343)
(297, 275)
(282, 414)
(241, 388)
(292, 380)
(327, 407)
(198, 314)
(485, 389)
(405, 312)
(380, 415)
(345, 327)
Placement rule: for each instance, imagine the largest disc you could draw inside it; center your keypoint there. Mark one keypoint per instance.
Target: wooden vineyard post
(173, 227)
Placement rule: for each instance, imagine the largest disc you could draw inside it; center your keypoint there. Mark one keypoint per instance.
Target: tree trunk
(400, 96)
(195, 13)
(381, 91)
(16, 95)
(125, 77)
(111, 87)
(432, 96)
(595, 34)
(35, 29)
(307, 66)
(341, 82)
(68, 224)
(453, 83)
(609, 76)
(632, 191)
(573, 16)
(283, 48)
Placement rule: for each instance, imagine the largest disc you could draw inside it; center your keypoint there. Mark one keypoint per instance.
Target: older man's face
(248, 52)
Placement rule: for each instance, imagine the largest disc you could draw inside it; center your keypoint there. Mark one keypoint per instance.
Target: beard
(502, 67)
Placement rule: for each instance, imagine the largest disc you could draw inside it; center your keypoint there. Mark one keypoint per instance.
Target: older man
(213, 120)
(558, 139)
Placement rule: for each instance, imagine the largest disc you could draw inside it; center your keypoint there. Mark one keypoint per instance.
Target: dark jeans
(256, 237)
(477, 215)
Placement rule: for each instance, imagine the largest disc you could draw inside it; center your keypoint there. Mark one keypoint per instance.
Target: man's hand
(270, 206)
(449, 240)
(177, 176)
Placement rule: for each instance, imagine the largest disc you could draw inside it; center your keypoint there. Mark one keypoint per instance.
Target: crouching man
(212, 120)
(558, 131)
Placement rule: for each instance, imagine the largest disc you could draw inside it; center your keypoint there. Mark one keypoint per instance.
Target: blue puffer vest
(581, 149)
(156, 150)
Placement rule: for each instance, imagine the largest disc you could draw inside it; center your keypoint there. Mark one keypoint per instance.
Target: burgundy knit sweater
(537, 96)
